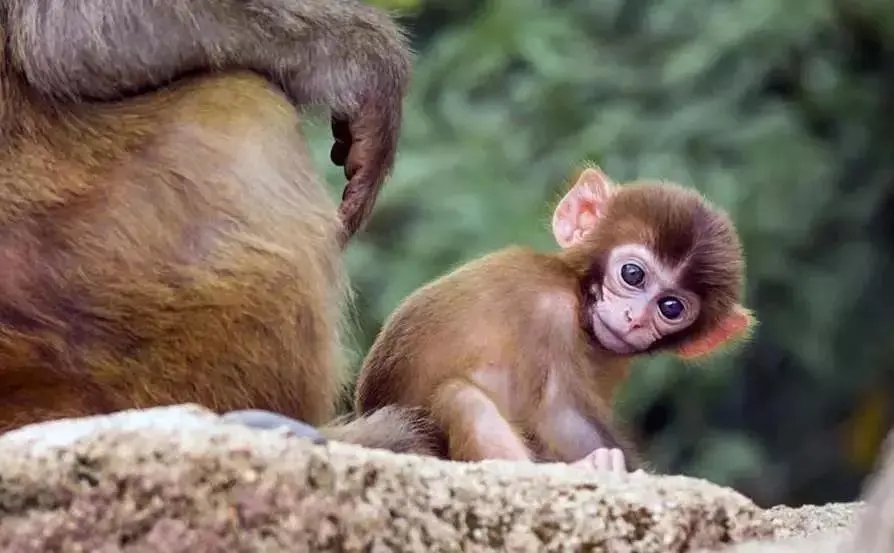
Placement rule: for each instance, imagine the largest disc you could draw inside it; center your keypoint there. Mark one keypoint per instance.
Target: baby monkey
(518, 355)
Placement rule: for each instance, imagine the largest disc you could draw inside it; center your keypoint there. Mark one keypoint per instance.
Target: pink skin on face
(625, 317)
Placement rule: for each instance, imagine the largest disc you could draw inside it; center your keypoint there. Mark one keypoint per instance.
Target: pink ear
(580, 209)
(735, 326)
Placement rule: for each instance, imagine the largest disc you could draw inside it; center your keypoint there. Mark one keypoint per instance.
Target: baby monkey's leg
(475, 428)
(604, 459)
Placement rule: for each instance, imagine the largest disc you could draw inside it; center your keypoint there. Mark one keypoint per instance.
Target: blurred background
(780, 111)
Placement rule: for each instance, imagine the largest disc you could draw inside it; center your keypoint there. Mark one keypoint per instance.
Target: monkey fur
(402, 430)
(164, 237)
(503, 351)
(342, 54)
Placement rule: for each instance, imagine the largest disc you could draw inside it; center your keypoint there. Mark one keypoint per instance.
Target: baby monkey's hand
(604, 460)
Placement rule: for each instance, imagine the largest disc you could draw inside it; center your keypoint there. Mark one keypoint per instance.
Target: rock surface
(809, 520)
(823, 542)
(808, 529)
(178, 479)
(838, 528)
(874, 532)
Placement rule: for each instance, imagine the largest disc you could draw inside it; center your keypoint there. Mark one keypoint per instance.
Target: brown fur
(491, 335)
(682, 227)
(342, 54)
(177, 245)
(487, 313)
(155, 259)
(404, 430)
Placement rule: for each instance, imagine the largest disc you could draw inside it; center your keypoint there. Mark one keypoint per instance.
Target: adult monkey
(163, 235)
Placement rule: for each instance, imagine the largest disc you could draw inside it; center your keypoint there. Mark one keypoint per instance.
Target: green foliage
(396, 5)
(778, 111)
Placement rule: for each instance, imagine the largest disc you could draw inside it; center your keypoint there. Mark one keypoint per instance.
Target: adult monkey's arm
(343, 54)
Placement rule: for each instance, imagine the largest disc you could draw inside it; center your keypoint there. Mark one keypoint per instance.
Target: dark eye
(632, 274)
(671, 308)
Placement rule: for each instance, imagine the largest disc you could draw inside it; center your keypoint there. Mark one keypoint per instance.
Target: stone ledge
(822, 542)
(179, 479)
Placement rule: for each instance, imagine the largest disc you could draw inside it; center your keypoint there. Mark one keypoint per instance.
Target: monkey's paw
(365, 146)
(604, 460)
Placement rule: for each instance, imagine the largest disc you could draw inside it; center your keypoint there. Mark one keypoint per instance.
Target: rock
(863, 527)
(807, 529)
(874, 531)
(811, 519)
(178, 479)
(823, 542)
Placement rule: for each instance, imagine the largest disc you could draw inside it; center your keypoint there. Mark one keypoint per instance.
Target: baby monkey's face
(638, 301)
(659, 267)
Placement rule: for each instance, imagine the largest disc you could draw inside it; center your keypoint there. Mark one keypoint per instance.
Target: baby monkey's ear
(734, 327)
(580, 209)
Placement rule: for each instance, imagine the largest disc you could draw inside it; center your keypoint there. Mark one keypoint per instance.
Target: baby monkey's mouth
(609, 338)
(600, 332)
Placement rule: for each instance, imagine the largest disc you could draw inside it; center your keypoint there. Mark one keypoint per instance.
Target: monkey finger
(617, 461)
(373, 144)
(593, 460)
(341, 129)
(341, 133)
(339, 152)
(268, 420)
(602, 459)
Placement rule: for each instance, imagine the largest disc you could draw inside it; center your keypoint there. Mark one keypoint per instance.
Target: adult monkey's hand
(366, 147)
(342, 54)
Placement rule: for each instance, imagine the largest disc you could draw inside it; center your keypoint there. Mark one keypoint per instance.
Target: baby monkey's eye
(671, 308)
(632, 274)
